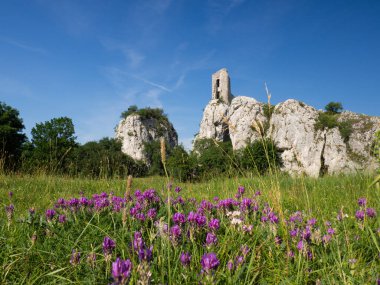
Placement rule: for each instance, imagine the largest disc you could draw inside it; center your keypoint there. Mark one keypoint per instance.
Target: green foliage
(260, 156)
(152, 152)
(268, 110)
(376, 146)
(214, 158)
(131, 109)
(329, 120)
(181, 165)
(53, 142)
(11, 137)
(104, 159)
(345, 129)
(326, 120)
(334, 107)
(147, 113)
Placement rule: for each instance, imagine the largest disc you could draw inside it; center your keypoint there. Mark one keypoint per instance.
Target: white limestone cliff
(133, 132)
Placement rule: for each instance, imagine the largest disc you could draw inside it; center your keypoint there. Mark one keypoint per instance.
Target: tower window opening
(217, 89)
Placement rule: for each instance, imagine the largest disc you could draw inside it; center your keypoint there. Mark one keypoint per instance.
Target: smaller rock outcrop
(135, 130)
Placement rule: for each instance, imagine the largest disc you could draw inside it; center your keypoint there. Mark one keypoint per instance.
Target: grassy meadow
(273, 230)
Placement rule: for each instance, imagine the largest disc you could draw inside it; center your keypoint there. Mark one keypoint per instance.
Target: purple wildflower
(362, 202)
(175, 232)
(211, 239)
(83, 201)
(138, 241)
(178, 189)
(359, 215)
(10, 194)
(140, 217)
(200, 220)
(245, 250)
(10, 209)
(209, 261)
(239, 260)
(247, 228)
(146, 253)
(277, 240)
(214, 224)
(241, 190)
(293, 233)
(179, 218)
(330, 231)
(152, 213)
(62, 219)
(49, 213)
(290, 254)
(326, 239)
(273, 218)
(108, 245)
(75, 257)
(300, 245)
(121, 270)
(230, 265)
(312, 222)
(185, 258)
(371, 212)
(306, 233)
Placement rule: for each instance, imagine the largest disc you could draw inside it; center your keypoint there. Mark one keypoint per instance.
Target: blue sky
(90, 60)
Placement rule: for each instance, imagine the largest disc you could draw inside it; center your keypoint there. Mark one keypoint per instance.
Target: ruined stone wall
(221, 89)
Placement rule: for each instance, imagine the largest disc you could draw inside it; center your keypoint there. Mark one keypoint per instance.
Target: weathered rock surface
(243, 114)
(214, 122)
(133, 132)
(292, 130)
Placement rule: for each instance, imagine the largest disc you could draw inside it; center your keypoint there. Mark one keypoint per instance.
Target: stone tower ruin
(221, 89)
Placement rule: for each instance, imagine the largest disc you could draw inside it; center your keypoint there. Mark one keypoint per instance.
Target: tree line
(53, 149)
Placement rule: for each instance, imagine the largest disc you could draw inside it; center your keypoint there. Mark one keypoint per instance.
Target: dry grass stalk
(269, 95)
(163, 150)
(258, 127)
(129, 186)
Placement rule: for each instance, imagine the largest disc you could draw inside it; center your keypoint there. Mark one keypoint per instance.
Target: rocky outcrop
(134, 131)
(292, 130)
(305, 149)
(214, 122)
(245, 115)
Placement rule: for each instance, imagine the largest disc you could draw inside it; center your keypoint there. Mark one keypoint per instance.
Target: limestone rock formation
(243, 114)
(214, 121)
(134, 131)
(292, 130)
(305, 148)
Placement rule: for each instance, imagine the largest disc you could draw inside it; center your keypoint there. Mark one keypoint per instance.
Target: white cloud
(133, 57)
(23, 46)
(160, 86)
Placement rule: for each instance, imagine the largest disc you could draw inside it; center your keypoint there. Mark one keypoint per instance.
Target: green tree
(334, 107)
(131, 109)
(260, 156)
(53, 142)
(181, 165)
(11, 137)
(214, 158)
(104, 159)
